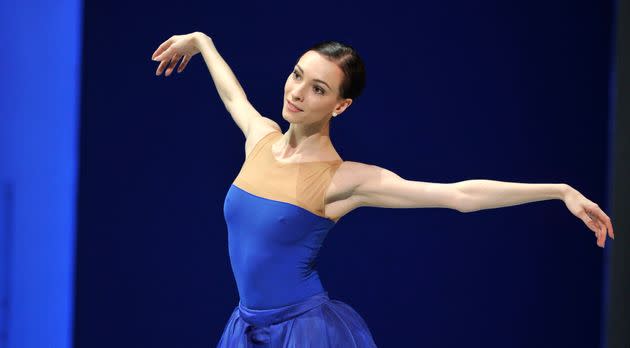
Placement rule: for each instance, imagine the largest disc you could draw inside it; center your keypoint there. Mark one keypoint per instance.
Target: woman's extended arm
(378, 187)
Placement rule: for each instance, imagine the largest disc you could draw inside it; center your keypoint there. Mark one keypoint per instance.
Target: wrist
(199, 37)
(565, 189)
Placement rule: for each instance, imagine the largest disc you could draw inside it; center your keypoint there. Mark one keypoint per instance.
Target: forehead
(318, 67)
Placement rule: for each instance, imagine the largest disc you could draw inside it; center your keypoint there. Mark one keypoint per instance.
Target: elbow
(463, 209)
(466, 210)
(465, 204)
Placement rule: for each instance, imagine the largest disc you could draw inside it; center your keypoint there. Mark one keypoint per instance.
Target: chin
(287, 117)
(290, 117)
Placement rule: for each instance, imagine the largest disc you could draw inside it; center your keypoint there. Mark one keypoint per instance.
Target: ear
(341, 107)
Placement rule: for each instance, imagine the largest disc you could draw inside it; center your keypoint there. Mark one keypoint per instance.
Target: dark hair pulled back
(349, 61)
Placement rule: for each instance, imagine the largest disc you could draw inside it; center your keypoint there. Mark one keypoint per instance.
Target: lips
(293, 106)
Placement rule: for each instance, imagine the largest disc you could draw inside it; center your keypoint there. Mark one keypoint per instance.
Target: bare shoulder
(353, 179)
(357, 172)
(342, 194)
(259, 128)
(348, 177)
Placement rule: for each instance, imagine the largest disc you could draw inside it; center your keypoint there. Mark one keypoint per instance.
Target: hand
(171, 50)
(591, 214)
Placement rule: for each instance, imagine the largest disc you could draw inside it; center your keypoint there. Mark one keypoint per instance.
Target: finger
(591, 225)
(596, 228)
(601, 236)
(610, 229)
(608, 223)
(161, 67)
(163, 47)
(183, 64)
(171, 66)
(605, 221)
(589, 222)
(165, 54)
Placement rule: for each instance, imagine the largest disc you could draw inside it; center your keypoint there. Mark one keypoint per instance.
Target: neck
(311, 140)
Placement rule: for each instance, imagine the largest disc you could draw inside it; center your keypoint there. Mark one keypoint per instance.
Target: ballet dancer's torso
(338, 197)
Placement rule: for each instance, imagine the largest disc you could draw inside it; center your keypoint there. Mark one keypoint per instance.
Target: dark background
(509, 91)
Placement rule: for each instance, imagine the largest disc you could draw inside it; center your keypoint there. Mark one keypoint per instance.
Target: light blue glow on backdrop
(39, 106)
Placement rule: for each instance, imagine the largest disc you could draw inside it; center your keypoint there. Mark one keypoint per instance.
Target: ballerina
(293, 187)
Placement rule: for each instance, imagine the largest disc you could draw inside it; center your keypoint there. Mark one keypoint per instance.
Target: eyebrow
(317, 80)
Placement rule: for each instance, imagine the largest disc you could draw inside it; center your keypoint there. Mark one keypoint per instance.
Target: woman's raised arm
(184, 47)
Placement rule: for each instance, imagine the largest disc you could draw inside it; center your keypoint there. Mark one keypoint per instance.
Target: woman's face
(313, 87)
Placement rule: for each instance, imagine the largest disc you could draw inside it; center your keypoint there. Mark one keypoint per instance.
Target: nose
(298, 93)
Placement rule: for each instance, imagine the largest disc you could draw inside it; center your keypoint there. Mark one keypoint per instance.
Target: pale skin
(313, 87)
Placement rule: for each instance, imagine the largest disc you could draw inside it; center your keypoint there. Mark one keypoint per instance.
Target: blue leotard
(276, 225)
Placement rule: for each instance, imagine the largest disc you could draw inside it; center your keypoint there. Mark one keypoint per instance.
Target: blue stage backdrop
(39, 108)
(508, 91)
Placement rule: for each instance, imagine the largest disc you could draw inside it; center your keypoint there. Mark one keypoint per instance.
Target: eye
(317, 89)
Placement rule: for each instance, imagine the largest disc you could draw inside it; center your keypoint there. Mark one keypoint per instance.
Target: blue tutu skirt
(316, 322)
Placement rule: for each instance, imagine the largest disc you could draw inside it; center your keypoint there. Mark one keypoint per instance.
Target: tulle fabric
(316, 322)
